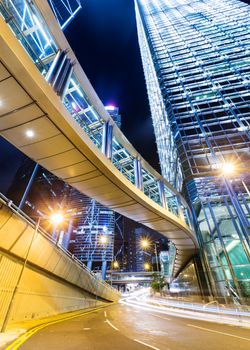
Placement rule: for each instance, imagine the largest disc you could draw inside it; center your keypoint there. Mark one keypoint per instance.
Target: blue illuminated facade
(196, 59)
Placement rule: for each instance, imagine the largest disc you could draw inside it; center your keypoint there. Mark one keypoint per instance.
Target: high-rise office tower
(114, 112)
(93, 231)
(196, 59)
(65, 10)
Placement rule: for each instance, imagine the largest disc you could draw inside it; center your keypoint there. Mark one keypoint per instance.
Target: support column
(138, 174)
(107, 136)
(89, 264)
(162, 194)
(104, 269)
(180, 211)
(26, 192)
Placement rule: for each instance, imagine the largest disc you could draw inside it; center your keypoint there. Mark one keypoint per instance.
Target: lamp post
(115, 266)
(55, 218)
(230, 169)
(145, 244)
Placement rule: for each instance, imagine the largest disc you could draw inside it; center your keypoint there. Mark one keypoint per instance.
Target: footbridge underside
(60, 144)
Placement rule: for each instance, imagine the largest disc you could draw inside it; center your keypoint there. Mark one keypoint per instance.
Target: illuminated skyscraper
(65, 10)
(93, 231)
(196, 59)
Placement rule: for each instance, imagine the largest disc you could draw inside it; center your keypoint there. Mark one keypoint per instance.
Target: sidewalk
(211, 307)
(241, 314)
(193, 310)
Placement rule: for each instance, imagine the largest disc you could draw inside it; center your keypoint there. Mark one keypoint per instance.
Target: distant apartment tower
(65, 10)
(196, 59)
(114, 113)
(93, 231)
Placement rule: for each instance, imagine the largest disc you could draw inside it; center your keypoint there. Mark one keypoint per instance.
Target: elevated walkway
(50, 112)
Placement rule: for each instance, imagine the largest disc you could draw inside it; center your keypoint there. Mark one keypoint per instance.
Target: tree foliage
(158, 283)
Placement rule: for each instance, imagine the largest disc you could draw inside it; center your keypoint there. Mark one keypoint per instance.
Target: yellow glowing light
(56, 218)
(145, 243)
(115, 264)
(228, 169)
(146, 266)
(104, 239)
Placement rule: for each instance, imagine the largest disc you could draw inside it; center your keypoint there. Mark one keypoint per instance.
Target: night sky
(104, 39)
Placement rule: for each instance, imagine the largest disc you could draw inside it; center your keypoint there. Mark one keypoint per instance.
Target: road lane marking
(111, 325)
(213, 331)
(24, 337)
(105, 313)
(149, 346)
(163, 318)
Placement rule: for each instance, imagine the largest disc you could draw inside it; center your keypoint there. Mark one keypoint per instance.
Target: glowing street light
(146, 266)
(103, 239)
(56, 218)
(228, 169)
(145, 243)
(115, 265)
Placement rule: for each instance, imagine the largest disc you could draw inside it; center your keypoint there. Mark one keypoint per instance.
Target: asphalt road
(123, 327)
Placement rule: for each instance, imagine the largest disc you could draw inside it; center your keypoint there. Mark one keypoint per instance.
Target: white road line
(163, 318)
(105, 313)
(213, 331)
(111, 325)
(149, 346)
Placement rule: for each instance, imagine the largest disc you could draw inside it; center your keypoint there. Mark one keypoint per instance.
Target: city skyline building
(93, 231)
(196, 60)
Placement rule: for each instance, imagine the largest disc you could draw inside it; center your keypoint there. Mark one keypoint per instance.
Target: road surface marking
(24, 337)
(211, 330)
(111, 325)
(105, 313)
(163, 318)
(149, 346)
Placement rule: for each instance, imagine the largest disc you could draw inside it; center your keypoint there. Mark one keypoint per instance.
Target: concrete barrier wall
(52, 282)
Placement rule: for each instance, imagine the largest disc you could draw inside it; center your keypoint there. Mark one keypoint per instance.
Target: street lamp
(146, 244)
(146, 266)
(229, 169)
(115, 265)
(56, 219)
(103, 239)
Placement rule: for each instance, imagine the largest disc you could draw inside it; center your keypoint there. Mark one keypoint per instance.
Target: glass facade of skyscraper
(196, 58)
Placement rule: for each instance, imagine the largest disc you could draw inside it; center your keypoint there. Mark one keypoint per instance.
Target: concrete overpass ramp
(52, 280)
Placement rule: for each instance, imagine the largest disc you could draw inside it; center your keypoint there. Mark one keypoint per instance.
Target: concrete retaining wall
(52, 282)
